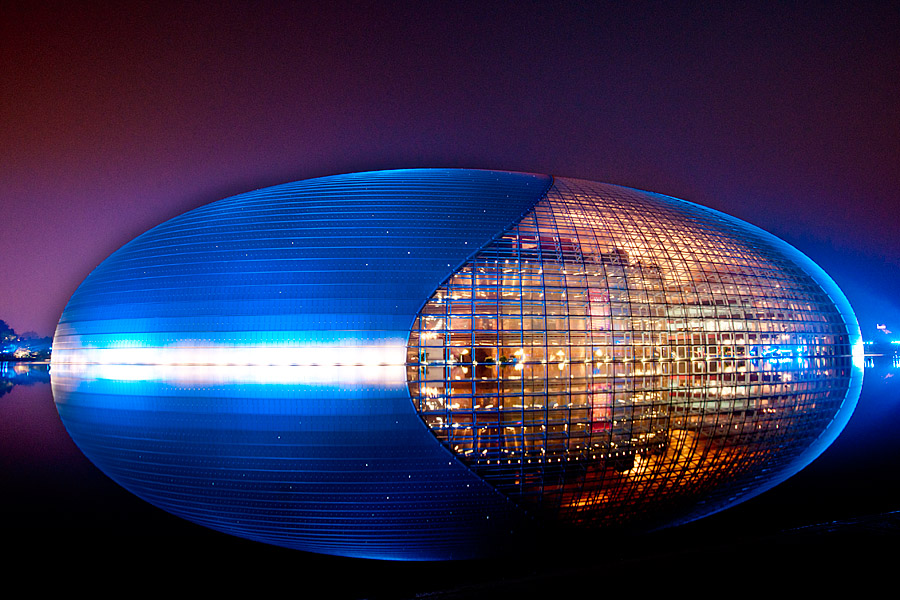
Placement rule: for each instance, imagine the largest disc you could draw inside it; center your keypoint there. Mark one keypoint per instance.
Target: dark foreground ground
(157, 555)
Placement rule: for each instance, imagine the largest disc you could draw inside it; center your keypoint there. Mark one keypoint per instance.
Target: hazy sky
(115, 119)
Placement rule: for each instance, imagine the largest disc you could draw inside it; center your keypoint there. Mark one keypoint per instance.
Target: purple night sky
(115, 119)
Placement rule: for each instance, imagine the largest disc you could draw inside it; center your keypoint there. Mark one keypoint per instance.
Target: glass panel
(606, 362)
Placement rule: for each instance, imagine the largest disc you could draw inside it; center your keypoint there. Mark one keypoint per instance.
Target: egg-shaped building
(437, 363)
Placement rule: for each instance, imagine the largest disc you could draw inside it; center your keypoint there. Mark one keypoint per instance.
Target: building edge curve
(809, 266)
(851, 397)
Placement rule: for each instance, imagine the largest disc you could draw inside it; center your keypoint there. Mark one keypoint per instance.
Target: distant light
(858, 354)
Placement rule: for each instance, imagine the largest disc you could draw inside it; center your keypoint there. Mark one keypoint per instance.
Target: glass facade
(434, 364)
(616, 353)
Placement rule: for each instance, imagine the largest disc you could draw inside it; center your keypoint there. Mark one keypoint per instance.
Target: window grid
(617, 347)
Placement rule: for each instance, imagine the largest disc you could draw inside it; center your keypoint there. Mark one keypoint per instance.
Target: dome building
(435, 364)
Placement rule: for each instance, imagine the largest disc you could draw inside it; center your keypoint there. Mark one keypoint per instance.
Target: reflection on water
(882, 357)
(332, 459)
(62, 501)
(875, 361)
(327, 458)
(22, 373)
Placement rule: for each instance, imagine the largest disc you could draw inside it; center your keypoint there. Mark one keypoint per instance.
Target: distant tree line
(26, 346)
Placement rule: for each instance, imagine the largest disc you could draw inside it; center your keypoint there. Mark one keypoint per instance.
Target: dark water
(833, 523)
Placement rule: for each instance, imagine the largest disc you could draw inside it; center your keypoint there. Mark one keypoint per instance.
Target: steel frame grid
(613, 352)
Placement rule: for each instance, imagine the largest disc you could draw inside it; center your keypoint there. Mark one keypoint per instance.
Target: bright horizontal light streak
(384, 352)
(348, 376)
(349, 361)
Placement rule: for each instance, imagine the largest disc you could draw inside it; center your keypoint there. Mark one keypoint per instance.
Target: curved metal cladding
(619, 357)
(426, 364)
(242, 365)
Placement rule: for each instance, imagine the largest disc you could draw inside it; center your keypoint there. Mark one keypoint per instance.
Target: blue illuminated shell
(430, 364)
